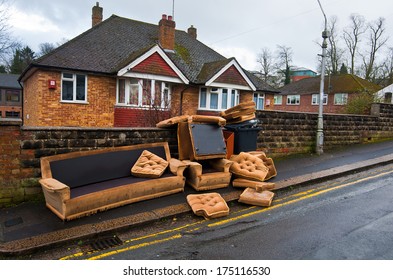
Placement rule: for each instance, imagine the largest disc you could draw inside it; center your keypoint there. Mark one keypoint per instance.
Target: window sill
(141, 107)
(75, 102)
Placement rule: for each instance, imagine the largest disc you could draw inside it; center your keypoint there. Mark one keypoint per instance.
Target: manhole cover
(102, 243)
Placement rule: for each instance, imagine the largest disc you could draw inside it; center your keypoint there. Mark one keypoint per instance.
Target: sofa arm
(51, 185)
(193, 168)
(177, 167)
(221, 164)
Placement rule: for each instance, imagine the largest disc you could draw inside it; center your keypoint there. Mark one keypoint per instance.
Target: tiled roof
(9, 81)
(113, 44)
(345, 83)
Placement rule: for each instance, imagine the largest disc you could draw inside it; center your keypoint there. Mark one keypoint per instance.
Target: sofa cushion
(208, 205)
(149, 165)
(253, 197)
(248, 166)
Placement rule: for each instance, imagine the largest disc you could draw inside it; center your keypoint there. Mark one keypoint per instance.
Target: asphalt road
(348, 218)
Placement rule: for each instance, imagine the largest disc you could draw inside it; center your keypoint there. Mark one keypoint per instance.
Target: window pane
(146, 92)
(234, 98)
(68, 76)
(157, 94)
(12, 96)
(224, 100)
(165, 96)
(80, 87)
(134, 92)
(67, 90)
(202, 98)
(121, 95)
(213, 101)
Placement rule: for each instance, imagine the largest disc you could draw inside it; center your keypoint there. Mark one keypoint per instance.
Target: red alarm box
(52, 84)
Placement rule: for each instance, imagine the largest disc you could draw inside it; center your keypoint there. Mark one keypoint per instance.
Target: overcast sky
(233, 28)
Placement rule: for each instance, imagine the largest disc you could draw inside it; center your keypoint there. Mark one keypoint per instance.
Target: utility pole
(319, 140)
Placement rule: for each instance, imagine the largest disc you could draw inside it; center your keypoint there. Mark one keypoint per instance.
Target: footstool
(253, 197)
(208, 205)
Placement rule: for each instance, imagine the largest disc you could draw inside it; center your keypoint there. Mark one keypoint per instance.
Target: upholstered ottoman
(208, 205)
(253, 197)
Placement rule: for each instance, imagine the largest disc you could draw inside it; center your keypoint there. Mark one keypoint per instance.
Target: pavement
(29, 227)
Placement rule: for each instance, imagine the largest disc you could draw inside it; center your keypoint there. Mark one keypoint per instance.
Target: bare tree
(266, 62)
(352, 37)
(284, 61)
(334, 52)
(386, 76)
(376, 41)
(7, 43)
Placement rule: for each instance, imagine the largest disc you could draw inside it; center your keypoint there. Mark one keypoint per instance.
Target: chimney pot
(170, 18)
(164, 16)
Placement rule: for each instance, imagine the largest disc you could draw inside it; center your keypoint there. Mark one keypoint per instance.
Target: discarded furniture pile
(82, 183)
(203, 149)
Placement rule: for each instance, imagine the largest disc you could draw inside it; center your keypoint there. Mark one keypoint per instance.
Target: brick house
(303, 95)
(10, 96)
(127, 73)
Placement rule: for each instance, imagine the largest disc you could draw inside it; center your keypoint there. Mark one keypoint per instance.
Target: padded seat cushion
(208, 205)
(253, 197)
(248, 166)
(258, 186)
(172, 121)
(149, 165)
(268, 162)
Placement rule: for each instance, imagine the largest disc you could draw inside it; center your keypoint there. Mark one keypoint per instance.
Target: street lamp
(319, 140)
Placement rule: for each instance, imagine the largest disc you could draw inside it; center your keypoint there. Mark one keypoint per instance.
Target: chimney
(192, 31)
(166, 35)
(96, 16)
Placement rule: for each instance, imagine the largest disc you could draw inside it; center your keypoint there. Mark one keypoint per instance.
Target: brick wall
(286, 133)
(132, 117)
(43, 106)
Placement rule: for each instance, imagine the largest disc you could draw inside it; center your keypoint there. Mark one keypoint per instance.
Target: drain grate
(102, 243)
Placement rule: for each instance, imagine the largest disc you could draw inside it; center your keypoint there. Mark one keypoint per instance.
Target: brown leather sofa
(82, 183)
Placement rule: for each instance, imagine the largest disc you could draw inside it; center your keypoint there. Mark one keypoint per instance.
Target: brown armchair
(208, 174)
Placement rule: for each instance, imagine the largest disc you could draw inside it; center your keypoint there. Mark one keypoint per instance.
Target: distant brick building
(127, 73)
(10, 96)
(303, 95)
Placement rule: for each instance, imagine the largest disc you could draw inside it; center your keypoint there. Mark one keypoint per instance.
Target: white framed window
(340, 98)
(217, 99)
(259, 99)
(73, 88)
(143, 93)
(277, 99)
(315, 99)
(293, 99)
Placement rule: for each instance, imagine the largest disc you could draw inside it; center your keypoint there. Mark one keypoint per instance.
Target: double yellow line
(238, 216)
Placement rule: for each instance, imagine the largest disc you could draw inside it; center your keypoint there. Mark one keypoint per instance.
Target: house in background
(303, 95)
(127, 73)
(299, 73)
(385, 94)
(10, 96)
